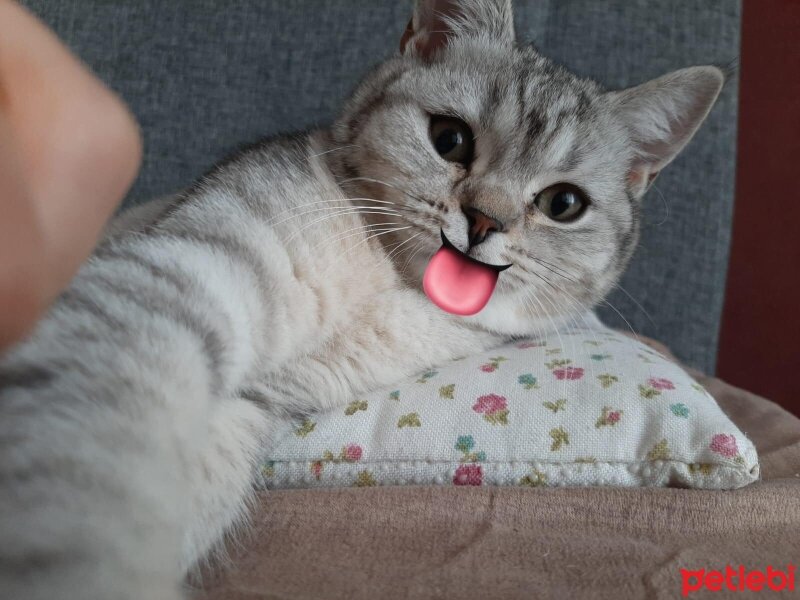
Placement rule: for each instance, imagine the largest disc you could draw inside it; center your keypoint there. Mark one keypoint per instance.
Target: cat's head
(515, 159)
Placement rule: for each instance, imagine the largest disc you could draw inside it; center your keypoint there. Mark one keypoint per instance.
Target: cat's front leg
(222, 477)
(395, 339)
(126, 448)
(93, 477)
(306, 385)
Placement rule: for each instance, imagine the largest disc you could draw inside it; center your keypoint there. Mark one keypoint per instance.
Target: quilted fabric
(581, 407)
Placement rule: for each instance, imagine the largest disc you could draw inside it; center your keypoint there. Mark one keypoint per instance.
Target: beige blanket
(509, 543)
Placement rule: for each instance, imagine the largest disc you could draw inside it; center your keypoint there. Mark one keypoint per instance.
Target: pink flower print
(660, 383)
(494, 409)
(487, 368)
(316, 469)
(725, 445)
(608, 417)
(490, 404)
(469, 474)
(568, 373)
(352, 453)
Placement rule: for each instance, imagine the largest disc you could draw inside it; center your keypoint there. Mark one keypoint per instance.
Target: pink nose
(480, 225)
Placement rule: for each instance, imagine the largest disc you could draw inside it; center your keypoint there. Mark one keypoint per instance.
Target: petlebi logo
(738, 579)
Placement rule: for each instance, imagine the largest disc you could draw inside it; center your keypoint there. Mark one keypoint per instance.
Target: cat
(290, 278)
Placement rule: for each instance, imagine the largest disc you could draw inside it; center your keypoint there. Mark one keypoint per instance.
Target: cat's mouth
(448, 244)
(458, 283)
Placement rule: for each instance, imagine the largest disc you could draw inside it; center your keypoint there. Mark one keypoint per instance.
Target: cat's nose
(480, 225)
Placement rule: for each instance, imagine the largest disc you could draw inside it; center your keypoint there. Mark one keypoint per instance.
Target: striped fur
(287, 280)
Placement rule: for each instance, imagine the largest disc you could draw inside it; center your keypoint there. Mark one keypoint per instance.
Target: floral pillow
(580, 408)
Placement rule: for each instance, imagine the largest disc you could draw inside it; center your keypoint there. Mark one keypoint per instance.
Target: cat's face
(515, 160)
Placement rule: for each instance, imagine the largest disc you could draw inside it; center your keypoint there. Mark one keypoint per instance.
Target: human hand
(69, 150)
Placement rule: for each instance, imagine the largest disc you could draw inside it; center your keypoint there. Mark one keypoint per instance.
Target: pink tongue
(456, 284)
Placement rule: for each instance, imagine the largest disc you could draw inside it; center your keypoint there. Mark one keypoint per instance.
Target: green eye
(562, 202)
(452, 139)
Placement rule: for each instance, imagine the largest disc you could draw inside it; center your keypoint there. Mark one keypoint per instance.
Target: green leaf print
(558, 362)
(499, 417)
(659, 452)
(536, 479)
(395, 395)
(560, 438)
(607, 380)
(409, 420)
(306, 427)
(555, 406)
(447, 391)
(355, 406)
(365, 479)
(702, 468)
(645, 391)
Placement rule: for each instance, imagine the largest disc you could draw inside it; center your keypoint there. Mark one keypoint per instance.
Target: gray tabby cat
(289, 279)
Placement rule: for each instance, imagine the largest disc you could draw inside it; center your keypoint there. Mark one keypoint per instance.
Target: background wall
(760, 338)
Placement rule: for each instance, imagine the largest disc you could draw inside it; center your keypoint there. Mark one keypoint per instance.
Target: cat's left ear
(436, 21)
(662, 115)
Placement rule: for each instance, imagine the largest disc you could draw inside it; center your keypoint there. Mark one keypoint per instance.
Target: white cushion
(585, 407)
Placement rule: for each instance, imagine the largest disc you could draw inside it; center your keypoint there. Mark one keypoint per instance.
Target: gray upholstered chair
(204, 76)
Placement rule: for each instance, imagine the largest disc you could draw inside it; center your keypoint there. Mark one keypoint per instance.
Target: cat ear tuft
(662, 115)
(436, 21)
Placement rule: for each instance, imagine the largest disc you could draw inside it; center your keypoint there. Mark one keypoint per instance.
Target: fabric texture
(521, 543)
(584, 406)
(204, 77)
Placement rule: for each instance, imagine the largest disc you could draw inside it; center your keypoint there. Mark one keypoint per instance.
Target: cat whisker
(394, 187)
(577, 310)
(347, 204)
(557, 270)
(614, 308)
(333, 150)
(605, 301)
(666, 206)
(343, 235)
(365, 240)
(369, 237)
(342, 212)
(636, 302)
(394, 251)
(530, 298)
(417, 247)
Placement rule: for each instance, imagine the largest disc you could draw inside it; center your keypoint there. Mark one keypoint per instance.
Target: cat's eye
(452, 139)
(562, 202)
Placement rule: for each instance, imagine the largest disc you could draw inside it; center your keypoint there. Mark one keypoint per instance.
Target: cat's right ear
(436, 21)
